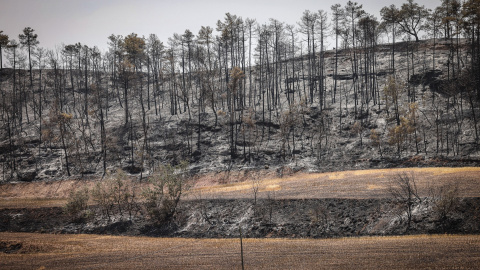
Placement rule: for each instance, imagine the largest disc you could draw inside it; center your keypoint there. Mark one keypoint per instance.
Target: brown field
(46, 251)
(360, 184)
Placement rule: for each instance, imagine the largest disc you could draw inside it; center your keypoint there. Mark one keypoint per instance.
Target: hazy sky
(92, 21)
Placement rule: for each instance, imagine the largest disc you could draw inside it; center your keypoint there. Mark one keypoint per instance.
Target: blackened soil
(309, 218)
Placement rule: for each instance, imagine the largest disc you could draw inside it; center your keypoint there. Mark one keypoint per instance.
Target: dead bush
(263, 210)
(116, 196)
(319, 216)
(284, 171)
(101, 197)
(445, 200)
(77, 204)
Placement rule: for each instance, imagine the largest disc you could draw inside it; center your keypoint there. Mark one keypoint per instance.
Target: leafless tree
(403, 189)
(255, 186)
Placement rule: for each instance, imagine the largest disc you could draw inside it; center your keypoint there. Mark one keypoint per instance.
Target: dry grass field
(46, 251)
(360, 184)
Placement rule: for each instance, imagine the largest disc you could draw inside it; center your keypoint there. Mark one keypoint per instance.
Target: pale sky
(92, 21)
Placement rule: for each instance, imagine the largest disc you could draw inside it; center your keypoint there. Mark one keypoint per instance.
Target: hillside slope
(355, 122)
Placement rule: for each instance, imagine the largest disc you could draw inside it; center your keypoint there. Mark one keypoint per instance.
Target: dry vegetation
(141, 111)
(359, 184)
(53, 251)
(110, 252)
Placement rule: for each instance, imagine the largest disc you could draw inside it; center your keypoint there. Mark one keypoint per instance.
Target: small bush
(445, 201)
(116, 196)
(319, 217)
(164, 195)
(77, 203)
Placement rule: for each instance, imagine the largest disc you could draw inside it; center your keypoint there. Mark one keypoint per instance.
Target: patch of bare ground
(113, 252)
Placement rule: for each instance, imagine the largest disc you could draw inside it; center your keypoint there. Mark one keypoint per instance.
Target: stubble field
(43, 251)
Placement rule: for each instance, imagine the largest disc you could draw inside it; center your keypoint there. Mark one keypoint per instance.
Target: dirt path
(34, 251)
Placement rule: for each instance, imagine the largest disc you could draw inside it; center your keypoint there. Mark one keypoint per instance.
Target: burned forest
(400, 90)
